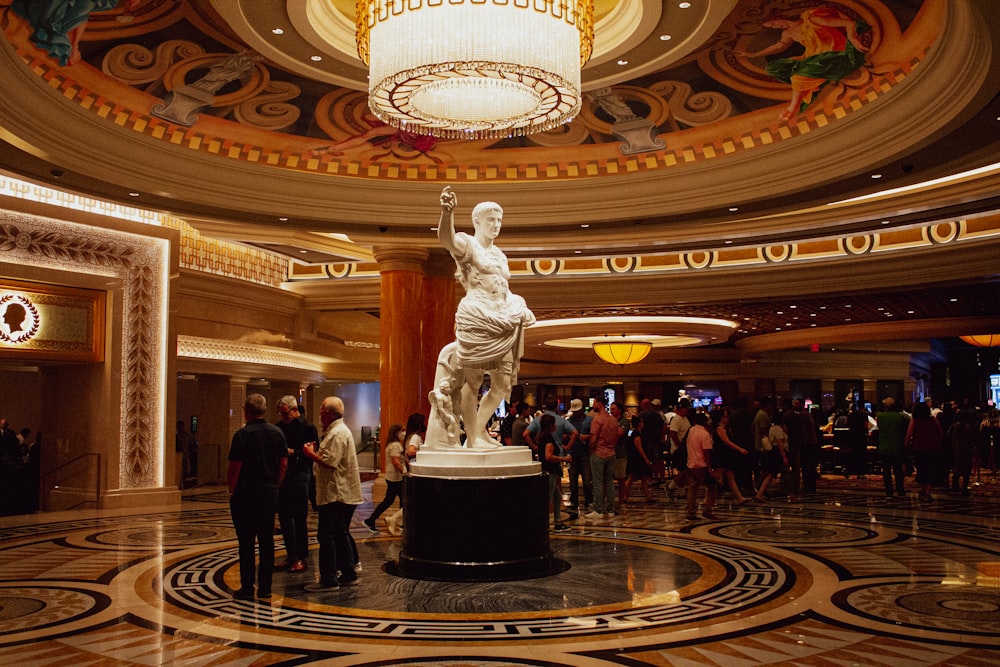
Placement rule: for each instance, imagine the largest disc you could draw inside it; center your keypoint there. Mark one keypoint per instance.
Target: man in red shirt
(604, 434)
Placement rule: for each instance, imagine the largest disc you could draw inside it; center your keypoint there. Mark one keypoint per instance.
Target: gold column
(437, 322)
(400, 307)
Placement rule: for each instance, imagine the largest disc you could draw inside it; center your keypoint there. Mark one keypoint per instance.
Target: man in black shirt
(258, 458)
(293, 495)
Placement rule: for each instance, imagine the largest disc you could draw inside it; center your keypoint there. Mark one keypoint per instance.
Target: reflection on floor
(844, 577)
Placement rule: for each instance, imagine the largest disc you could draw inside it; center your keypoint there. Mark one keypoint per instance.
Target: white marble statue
(489, 331)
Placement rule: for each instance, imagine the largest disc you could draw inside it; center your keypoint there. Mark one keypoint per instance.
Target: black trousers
(336, 546)
(253, 519)
(393, 490)
(293, 512)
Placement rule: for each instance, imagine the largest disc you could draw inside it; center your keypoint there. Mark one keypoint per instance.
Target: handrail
(55, 472)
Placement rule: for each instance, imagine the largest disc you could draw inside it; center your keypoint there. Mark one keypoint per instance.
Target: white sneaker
(593, 516)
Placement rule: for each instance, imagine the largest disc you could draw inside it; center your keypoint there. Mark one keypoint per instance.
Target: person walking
(727, 456)
(258, 459)
(413, 440)
(699, 468)
(338, 493)
(393, 474)
(639, 467)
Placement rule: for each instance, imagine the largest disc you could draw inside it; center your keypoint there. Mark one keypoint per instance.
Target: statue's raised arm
(446, 227)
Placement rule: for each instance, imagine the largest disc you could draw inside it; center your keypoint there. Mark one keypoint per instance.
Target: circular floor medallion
(668, 580)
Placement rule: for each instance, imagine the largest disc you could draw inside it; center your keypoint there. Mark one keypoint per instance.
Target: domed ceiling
(702, 146)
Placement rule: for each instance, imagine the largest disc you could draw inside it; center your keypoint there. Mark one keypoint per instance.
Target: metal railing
(53, 475)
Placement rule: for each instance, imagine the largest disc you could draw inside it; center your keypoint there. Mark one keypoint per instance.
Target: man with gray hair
(338, 493)
(293, 496)
(258, 457)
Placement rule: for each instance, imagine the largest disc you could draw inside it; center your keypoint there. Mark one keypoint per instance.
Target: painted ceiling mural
(775, 69)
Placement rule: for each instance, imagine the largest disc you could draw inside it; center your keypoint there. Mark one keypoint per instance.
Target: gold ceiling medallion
(19, 319)
(474, 69)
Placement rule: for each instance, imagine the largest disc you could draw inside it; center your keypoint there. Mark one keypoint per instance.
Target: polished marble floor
(845, 577)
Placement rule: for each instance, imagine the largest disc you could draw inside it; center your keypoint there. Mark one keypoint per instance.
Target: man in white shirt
(338, 493)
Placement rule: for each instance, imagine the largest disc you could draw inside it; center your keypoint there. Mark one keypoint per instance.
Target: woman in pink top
(699, 461)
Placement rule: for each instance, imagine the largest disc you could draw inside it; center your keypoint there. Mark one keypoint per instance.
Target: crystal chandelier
(474, 69)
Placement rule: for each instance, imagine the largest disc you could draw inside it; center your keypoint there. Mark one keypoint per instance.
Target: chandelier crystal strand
(474, 68)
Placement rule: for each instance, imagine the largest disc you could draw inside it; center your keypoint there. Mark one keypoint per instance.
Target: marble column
(400, 314)
(437, 321)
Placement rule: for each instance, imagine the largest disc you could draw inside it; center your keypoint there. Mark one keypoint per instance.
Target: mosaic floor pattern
(844, 578)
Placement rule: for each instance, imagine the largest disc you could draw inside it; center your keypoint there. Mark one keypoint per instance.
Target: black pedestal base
(491, 529)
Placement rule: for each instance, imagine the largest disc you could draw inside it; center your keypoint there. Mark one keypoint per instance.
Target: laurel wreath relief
(36, 320)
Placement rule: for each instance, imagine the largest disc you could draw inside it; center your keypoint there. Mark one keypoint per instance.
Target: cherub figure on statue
(489, 321)
(444, 408)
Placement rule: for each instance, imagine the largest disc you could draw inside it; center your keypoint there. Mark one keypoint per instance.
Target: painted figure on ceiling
(833, 49)
(379, 133)
(58, 25)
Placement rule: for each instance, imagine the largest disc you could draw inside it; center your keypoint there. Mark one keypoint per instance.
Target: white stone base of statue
(459, 462)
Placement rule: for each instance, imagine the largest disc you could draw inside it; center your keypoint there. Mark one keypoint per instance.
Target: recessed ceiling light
(303, 252)
(623, 62)
(909, 312)
(282, 219)
(734, 208)
(133, 194)
(876, 176)
(885, 222)
(953, 300)
(666, 38)
(277, 31)
(729, 241)
(584, 226)
(684, 5)
(315, 59)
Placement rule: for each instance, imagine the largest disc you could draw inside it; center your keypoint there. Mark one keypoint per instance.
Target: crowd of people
(756, 451)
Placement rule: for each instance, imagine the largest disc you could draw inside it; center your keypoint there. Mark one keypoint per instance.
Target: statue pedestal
(483, 516)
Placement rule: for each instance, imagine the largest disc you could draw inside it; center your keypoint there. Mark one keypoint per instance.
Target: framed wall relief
(42, 322)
